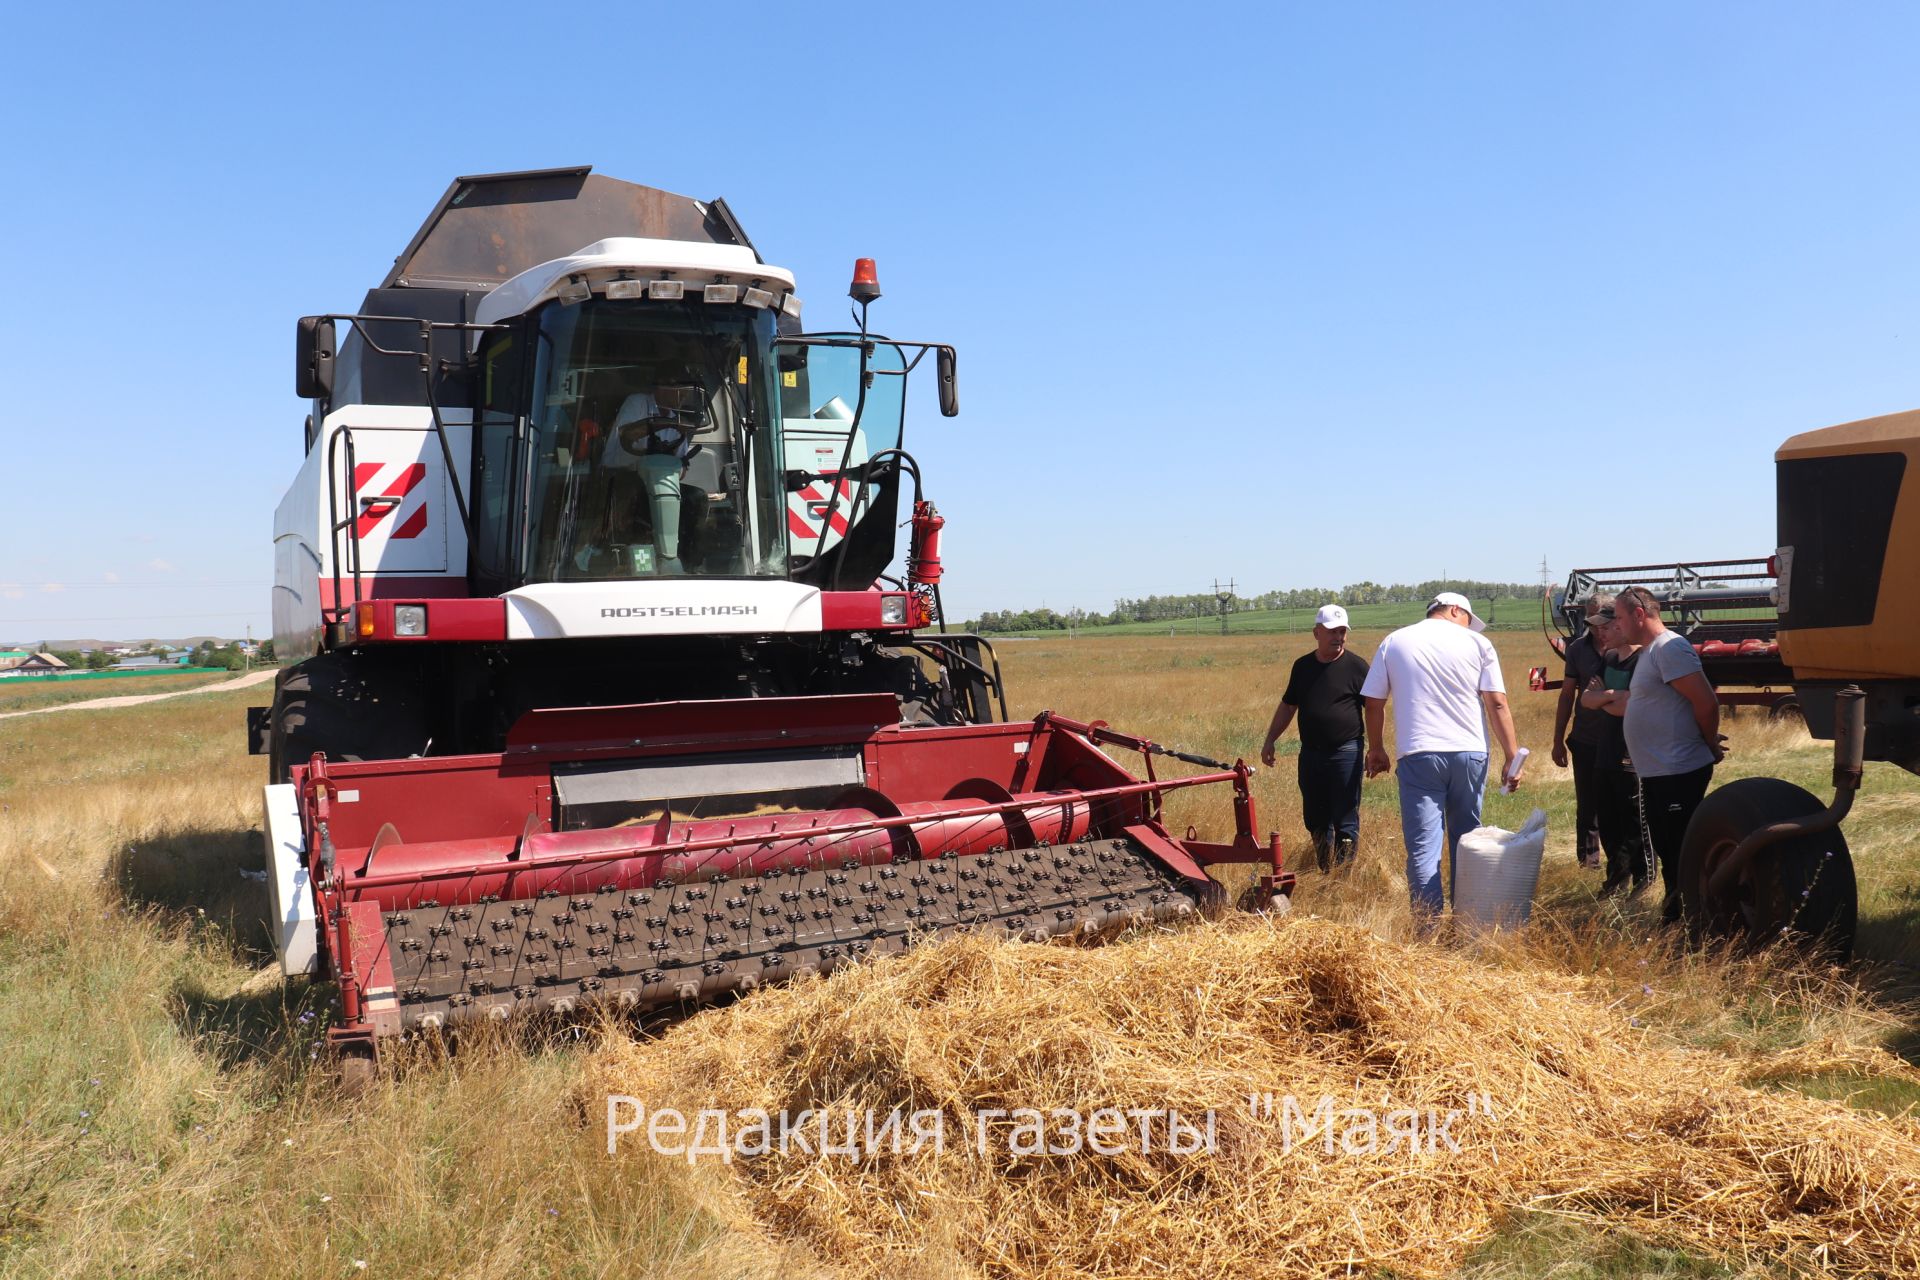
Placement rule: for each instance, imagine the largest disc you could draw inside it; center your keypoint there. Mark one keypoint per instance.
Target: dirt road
(133, 699)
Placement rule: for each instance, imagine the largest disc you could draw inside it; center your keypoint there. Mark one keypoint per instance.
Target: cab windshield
(653, 451)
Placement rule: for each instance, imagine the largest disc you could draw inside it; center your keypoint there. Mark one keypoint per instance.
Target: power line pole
(1225, 597)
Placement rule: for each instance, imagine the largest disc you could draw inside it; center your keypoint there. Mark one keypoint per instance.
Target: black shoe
(1323, 852)
(1612, 887)
(1344, 852)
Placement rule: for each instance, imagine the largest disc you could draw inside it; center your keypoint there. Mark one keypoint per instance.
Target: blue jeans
(1439, 803)
(1330, 791)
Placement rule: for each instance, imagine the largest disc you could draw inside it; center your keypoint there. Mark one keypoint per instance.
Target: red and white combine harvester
(602, 689)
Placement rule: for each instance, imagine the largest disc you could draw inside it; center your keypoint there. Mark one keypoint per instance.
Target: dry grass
(153, 1074)
(161, 1111)
(27, 694)
(1590, 1118)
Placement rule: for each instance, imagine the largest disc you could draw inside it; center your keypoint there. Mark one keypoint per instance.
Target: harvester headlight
(790, 305)
(575, 290)
(722, 293)
(620, 289)
(893, 611)
(409, 619)
(758, 298)
(666, 290)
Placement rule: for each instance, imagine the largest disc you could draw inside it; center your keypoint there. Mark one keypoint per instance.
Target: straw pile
(1588, 1118)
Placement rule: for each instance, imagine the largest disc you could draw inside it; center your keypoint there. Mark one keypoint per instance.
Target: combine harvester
(603, 692)
(1725, 608)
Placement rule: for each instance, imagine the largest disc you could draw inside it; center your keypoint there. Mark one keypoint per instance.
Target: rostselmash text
(682, 611)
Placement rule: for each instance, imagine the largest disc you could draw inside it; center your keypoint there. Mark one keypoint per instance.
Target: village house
(13, 662)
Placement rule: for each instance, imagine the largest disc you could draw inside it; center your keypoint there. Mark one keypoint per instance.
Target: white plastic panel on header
(296, 927)
(664, 607)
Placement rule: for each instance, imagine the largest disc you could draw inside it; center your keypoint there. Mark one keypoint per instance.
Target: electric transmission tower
(1225, 596)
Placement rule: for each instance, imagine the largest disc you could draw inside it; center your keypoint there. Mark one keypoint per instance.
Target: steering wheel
(634, 435)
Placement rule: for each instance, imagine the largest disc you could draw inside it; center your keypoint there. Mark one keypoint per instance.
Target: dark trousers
(1586, 801)
(1618, 810)
(1666, 807)
(1330, 791)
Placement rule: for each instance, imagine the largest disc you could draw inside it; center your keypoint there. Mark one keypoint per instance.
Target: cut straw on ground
(1589, 1117)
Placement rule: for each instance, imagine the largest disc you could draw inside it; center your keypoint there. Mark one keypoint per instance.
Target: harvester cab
(606, 687)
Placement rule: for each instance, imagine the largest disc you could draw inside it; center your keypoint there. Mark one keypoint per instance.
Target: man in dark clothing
(1618, 800)
(1324, 691)
(1585, 662)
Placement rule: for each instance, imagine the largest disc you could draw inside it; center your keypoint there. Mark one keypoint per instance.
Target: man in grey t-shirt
(1672, 728)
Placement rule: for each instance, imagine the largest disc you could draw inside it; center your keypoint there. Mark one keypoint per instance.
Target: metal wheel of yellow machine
(1787, 711)
(1801, 887)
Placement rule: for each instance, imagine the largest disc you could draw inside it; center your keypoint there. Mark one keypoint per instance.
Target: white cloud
(111, 576)
(11, 591)
(159, 566)
(53, 588)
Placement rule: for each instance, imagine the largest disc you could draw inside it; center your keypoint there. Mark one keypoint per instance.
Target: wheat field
(163, 1111)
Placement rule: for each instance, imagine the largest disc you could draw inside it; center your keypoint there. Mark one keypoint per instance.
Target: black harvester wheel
(1801, 889)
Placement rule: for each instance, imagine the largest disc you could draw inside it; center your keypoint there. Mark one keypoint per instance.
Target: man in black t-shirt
(1324, 691)
(1580, 747)
(1619, 803)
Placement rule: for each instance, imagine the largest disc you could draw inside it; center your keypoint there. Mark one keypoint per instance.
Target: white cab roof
(697, 264)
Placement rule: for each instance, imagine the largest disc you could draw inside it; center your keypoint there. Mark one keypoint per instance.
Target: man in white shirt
(1442, 675)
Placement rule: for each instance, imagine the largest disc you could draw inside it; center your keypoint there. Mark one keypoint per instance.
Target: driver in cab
(652, 433)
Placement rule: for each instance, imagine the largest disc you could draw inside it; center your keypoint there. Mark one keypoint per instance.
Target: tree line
(1204, 604)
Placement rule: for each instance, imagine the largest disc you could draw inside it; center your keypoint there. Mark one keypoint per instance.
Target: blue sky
(1293, 294)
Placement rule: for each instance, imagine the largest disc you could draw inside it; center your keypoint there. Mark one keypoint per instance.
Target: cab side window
(496, 440)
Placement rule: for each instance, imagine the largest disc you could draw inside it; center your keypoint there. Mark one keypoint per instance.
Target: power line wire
(132, 617)
(82, 586)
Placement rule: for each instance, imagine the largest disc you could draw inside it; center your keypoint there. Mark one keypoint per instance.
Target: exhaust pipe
(1849, 765)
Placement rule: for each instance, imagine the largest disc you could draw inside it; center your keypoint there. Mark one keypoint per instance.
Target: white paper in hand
(1511, 779)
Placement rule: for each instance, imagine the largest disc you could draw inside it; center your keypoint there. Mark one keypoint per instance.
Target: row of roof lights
(577, 289)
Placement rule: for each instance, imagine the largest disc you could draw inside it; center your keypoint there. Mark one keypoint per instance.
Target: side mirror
(313, 358)
(791, 359)
(949, 387)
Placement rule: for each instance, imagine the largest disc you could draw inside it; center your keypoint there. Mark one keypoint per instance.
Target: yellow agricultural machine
(1762, 856)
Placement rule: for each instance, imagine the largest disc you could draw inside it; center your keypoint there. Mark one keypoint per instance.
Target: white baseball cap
(1330, 615)
(1458, 601)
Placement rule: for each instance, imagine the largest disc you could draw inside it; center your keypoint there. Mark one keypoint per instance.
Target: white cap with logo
(1458, 601)
(1330, 615)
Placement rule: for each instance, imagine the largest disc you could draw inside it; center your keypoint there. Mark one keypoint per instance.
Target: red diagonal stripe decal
(404, 484)
(412, 476)
(415, 523)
